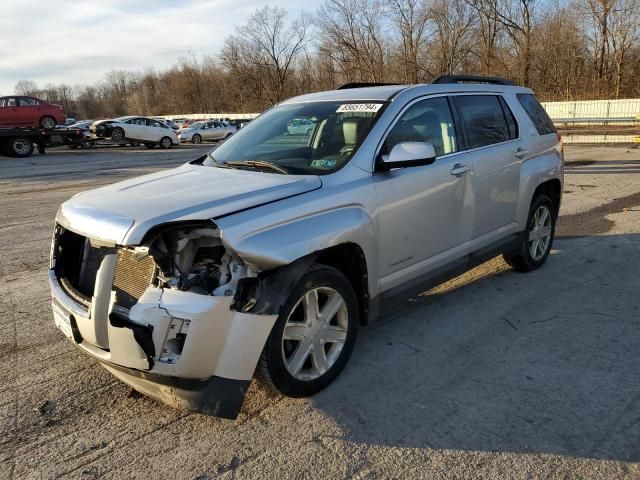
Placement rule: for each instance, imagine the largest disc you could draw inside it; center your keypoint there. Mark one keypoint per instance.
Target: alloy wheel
(315, 333)
(540, 233)
(48, 123)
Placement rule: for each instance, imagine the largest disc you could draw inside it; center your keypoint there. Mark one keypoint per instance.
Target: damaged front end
(173, 317)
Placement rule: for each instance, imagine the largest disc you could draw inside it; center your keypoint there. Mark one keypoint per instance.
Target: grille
(132, 277)
(77, 263)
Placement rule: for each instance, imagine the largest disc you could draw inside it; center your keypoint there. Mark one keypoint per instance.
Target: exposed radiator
(132, 277)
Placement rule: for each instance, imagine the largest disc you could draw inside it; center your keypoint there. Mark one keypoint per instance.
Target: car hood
(123, 212)
(185, 130)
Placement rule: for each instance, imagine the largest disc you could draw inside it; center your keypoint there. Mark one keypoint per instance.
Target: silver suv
(270, 251)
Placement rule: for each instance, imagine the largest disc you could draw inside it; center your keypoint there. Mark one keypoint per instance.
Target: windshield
(196, 125)
(302, 138)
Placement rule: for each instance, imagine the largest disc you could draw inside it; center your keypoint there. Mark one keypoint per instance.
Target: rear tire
(538, 237)
(166, 142)
(321, 320)
(47, 122)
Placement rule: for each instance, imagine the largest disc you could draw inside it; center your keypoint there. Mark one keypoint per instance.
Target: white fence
(594, 109)
(206, 116)
(584, 109)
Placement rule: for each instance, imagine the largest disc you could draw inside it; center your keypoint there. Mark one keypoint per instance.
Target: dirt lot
(495, 374)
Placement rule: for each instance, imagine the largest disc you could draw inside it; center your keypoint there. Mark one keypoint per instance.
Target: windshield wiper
(259, 164)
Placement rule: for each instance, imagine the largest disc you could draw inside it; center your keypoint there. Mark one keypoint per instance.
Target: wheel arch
(540, 174)
(552, 189)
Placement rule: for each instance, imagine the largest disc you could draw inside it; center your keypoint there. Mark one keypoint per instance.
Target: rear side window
(28, 102)
(483, 119)
(536, 113)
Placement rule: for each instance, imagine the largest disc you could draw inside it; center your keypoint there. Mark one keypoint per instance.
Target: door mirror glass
(409, 154)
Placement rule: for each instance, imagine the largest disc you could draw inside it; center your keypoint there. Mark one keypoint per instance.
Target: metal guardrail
(598, 121)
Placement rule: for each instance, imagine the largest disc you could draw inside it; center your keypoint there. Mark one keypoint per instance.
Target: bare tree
(353, 37)
(452, 40)
(411, 18)
(624, 32)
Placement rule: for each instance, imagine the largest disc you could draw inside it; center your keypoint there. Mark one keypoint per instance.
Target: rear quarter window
(536, 113)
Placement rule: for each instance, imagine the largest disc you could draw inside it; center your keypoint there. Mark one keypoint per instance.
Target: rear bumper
(185, 349)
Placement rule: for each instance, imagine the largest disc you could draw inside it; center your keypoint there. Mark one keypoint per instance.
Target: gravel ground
(494, 374)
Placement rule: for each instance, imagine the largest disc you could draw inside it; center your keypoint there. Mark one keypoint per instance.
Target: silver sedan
(206, 131)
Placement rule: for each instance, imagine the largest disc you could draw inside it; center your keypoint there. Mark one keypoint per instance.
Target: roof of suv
(387, 92)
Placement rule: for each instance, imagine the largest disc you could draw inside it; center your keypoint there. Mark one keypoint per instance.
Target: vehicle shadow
(545, 362)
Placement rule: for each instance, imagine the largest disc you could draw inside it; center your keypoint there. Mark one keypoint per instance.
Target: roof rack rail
(363, 85)
(473, 79)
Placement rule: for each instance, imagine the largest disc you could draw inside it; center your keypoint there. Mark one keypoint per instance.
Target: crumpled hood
(123, 212)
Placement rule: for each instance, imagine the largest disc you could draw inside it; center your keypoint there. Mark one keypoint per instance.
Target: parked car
(240, 122)
(167, 122)
(269, 254)
(88, 140)
(300, 126)
(21, 111)
(137, 129)
(206, 131)
(178, 122)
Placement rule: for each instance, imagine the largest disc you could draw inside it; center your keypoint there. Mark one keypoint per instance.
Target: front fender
(282, 244)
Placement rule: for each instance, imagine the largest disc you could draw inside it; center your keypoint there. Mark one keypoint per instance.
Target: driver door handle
(459, 169)
(522, 152)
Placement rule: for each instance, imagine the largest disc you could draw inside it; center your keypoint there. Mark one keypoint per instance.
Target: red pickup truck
(20, 111)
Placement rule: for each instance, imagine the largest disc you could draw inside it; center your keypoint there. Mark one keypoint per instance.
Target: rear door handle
(459, 169)
(522, 152)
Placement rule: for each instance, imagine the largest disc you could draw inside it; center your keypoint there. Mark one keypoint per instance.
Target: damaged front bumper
(185, 349)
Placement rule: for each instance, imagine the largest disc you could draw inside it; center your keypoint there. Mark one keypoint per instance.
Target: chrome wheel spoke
(335, 334)
(310, 304)
(329, 309)
(296, 362)
(295, 331)
(319, 359)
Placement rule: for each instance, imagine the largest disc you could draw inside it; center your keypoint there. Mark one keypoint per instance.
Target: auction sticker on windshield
(359, 107)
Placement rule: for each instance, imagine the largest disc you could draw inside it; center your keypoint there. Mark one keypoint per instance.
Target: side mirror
(408, 154)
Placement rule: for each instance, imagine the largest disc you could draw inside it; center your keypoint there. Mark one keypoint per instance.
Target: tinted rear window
(484, 120)
(536, 113)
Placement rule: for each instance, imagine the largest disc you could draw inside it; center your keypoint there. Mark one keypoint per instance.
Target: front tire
(197, 139)
(165, 142)
(117, 134)
(314, 335)
(538, 237)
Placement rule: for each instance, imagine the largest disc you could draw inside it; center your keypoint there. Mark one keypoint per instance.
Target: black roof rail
(363, 85)
(473, 79)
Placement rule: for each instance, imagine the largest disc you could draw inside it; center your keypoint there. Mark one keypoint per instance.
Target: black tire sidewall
(162, 142)
(13, 152)
(286, 383)
(118, 129)
(198, 137)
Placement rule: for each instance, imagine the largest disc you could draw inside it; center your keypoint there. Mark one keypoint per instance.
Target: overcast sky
(78, 41)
